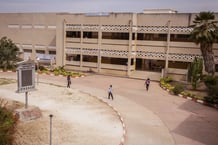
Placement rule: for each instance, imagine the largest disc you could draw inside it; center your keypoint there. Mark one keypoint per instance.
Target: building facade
(136, 45)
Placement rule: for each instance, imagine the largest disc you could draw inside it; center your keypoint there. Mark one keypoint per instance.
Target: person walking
(68, 81)
(147, 83)
(110, 93)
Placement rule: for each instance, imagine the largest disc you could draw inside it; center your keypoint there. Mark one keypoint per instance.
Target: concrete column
(99, 47)
(59, 40)
(81, 47)
(167, 50)
(129, 55)
(33, 55)
(135, 39)
(64, 38)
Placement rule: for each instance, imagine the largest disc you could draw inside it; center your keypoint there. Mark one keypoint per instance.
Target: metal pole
(50, 128)
(37, 78)
(37, 70)
(26, 98)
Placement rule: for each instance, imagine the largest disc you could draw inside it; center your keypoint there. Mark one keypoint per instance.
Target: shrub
(168, 79)
(195, 72)
(42, 68)
(178, 89)
(212, 85)
(184, 93)
(210, 81)
(7, 123)
(211, 100)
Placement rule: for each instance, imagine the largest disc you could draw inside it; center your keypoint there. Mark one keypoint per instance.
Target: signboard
(26, 76)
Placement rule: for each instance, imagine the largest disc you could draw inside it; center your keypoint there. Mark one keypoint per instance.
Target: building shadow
(201, 126)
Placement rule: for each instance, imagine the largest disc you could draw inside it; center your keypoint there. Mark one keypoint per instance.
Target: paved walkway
(152, 118)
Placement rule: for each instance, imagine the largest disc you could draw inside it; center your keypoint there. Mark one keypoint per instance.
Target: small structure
(26, 76)
(26, 83)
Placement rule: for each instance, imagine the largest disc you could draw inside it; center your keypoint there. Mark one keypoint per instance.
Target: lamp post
(26, 100)
(37, 61)
(50, 129)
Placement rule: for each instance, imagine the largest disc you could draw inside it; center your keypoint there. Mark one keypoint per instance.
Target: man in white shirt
(110, 92)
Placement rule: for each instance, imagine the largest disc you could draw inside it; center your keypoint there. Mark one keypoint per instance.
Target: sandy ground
(79, 119)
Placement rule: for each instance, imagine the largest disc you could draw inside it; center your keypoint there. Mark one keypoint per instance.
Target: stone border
(122, 140)
(192, 99)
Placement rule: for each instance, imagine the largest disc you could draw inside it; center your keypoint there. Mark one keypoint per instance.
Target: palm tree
(8, 53)
(205, 33)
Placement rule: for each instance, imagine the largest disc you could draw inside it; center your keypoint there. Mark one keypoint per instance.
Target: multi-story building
(128, 44)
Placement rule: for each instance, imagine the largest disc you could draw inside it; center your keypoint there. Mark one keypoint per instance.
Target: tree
(195, 72)
(205, 33)
(8, 53)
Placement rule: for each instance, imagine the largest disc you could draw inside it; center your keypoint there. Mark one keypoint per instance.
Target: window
(90, 35)
(87, 58)
(52, 52)
(180, 37)
(72, 57)
(27, 50)
(73, 34)
(152, 37)
(113, 35)
(178, 64)
(216, 67)
(40, 51)
(118, 61)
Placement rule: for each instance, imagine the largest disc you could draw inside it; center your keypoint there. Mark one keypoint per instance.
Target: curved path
(152, 118)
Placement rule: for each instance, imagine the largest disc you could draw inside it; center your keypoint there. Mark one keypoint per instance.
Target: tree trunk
(208, 56)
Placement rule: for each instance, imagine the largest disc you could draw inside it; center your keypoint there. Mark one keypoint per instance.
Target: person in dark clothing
(147, 83)
(68, 81)
(110, 93)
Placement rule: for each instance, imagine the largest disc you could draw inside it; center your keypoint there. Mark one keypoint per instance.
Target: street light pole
(50, 128)
(37, 60)
(26, 100)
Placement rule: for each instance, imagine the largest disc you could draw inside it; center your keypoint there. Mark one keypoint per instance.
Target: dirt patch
(79, 119)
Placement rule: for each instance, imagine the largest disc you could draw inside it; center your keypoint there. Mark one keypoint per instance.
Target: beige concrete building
(128, 44)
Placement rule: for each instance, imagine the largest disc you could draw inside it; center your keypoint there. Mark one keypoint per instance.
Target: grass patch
(4, 81)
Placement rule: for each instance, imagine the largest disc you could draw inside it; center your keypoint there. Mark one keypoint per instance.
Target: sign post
(26, 78)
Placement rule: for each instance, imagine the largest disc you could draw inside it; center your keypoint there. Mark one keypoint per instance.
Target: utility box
(26, 76)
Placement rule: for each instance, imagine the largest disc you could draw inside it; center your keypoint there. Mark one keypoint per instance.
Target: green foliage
(167, 79)
(205, 33)
(8, 53)
(196, 71)
(165, 83)
(7, 123)
(42, 68)
(213, 95)
(178, 89)
(210, 81)
(204, 28)
(62, 71)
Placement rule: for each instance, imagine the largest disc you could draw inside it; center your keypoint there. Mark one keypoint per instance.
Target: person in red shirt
(147, 83)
